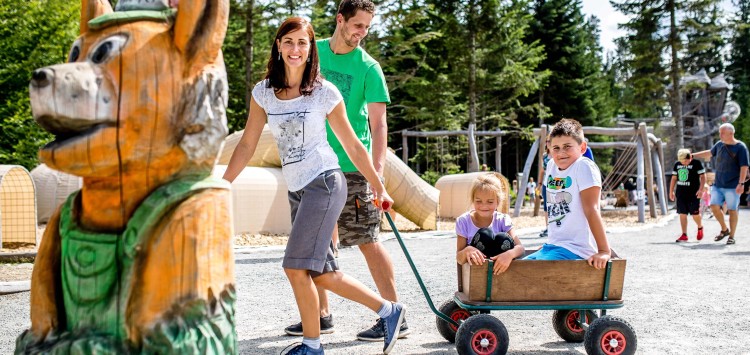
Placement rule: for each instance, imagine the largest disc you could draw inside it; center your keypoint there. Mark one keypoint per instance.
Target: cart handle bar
(416, 273)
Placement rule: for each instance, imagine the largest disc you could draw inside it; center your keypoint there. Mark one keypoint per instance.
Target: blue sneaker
(303, 349)
(393, 326)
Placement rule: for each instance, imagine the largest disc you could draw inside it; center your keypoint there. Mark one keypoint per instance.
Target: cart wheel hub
(613, 343)
(484, 342)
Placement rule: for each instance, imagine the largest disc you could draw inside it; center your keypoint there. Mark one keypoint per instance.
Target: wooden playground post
(498, 149)
(639, 192)
(540, 173)
(659, 178)
(404, 147)
(405, 134)
(660, 155)
(524, 181)
(649, 169)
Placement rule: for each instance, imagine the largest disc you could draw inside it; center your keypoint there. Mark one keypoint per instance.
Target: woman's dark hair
(275, 72)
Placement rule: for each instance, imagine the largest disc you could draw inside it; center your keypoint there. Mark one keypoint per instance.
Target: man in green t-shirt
(361, 82)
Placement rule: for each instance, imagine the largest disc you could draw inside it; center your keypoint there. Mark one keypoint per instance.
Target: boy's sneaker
(699, 236)
(377, 332)
(326, 327)
(303, 349)
(392, 327)
(682, 238)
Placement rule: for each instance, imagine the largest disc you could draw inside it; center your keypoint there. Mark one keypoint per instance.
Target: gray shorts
(360, 219)
(315, 210)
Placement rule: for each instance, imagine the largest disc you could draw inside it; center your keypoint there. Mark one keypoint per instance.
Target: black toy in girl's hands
(491, 244)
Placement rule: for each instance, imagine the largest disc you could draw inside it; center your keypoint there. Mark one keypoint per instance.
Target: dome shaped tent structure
(17, 206)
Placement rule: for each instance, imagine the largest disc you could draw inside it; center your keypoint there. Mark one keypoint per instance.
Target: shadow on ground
(249, 261)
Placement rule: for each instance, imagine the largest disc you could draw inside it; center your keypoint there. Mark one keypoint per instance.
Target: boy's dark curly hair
(568, 127)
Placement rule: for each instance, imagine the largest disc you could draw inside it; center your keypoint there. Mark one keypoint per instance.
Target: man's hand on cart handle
(386, 203)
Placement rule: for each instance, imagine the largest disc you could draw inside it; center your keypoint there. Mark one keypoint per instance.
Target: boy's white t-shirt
(568, 227)
(299, 127)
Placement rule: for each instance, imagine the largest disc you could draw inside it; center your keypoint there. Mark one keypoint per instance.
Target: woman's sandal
(722, 235)
(730, 241)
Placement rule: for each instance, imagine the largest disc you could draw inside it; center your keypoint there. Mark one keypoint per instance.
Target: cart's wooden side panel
(538, 280)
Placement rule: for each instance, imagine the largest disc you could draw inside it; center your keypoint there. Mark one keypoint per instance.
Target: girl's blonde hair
(488, 182)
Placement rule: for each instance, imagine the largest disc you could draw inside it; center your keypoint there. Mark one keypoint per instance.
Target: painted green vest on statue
(97, 268)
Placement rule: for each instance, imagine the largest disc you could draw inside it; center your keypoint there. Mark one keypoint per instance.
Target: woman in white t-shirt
(296, 102)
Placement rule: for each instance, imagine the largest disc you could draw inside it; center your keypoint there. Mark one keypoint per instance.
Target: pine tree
(704, 41)
(739, 67)
(685, 32)
(644, 73)
(573, 56)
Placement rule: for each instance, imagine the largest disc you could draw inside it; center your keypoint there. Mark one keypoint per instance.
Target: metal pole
(639, 192)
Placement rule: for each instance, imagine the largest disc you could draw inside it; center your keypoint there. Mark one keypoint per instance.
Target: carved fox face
(143, 95)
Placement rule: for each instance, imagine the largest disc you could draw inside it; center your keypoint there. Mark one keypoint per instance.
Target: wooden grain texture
(541, 280)
(190, 256)
(146, 116)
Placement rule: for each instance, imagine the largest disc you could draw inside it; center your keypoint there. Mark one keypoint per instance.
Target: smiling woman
(299, 105)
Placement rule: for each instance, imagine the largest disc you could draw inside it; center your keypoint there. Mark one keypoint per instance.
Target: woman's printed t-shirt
(688, 178)
(568, 227)
(299, 127)
(465, 226)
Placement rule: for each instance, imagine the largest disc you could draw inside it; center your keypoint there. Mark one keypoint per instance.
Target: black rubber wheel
(567, 327)
(452, 310)
(610, 335)
(482, 334)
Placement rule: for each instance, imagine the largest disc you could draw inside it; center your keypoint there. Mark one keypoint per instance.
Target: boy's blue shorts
(552, 252)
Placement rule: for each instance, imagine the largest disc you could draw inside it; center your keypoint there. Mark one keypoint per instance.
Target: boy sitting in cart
(574, 185)
(484, 232)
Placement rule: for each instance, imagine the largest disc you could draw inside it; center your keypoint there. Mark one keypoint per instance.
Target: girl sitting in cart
(483, 232)
(574, 185)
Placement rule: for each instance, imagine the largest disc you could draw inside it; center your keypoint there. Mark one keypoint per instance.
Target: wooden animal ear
(200, 28)
(91, 9)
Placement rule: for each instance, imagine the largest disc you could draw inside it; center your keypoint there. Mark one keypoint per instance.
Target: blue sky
(610, 19)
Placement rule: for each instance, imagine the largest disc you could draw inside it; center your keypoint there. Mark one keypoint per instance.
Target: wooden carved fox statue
(140, 259)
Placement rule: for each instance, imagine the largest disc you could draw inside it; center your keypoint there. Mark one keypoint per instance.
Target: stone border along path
(687, 298)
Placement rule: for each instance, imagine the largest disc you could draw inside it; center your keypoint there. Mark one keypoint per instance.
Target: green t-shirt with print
(360, 80)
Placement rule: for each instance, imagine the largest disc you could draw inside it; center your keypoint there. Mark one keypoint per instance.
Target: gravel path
(689, 298)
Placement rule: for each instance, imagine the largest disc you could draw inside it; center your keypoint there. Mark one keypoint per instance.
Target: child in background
(688, 179)
(574, 185)
(706, 200)
(486, 196)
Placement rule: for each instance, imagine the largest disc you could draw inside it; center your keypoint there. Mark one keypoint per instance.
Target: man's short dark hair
(349, 8)
(568, 127)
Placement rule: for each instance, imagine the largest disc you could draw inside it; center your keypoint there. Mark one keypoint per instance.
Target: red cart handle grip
(385, 205)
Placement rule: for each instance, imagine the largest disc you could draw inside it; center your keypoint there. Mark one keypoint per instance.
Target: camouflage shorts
(359, 222)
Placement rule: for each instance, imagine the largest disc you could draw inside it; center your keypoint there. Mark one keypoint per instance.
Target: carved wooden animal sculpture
(140, 259)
